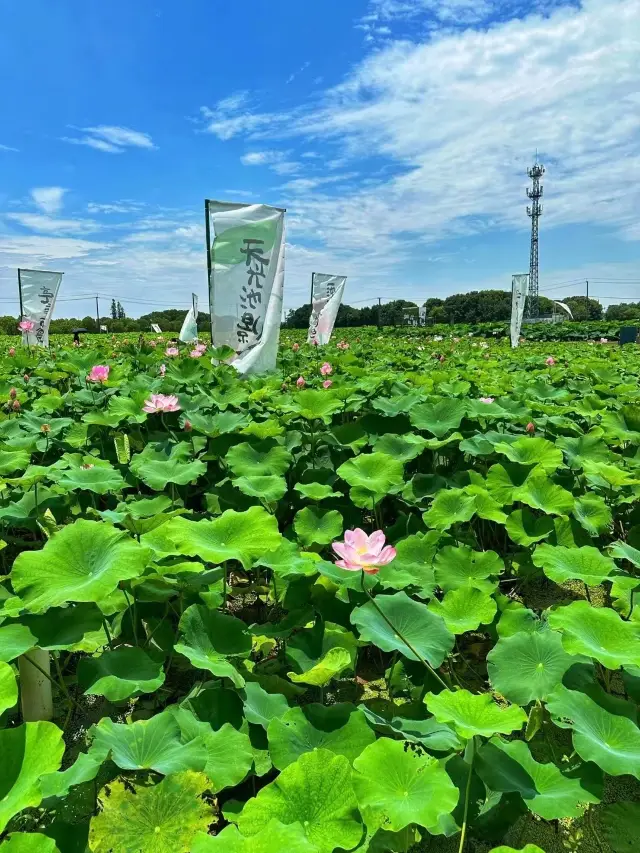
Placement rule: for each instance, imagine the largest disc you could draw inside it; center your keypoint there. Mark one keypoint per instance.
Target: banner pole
(207, 229)
(311, 297)
(20, 295)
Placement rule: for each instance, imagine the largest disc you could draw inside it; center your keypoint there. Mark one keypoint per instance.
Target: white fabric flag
(327, 291)
(189, 330)
(38, 293)
(519, 290)
(156, 328)
(422, 315)
(565, 307)
(246, 281)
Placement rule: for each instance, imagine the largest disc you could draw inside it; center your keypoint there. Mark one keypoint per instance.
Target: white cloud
(8, 148)
(50, 224)
(111, 139)
(276, 160)
(124, 206)
(233, 116)
(37, 249)
(48, 199)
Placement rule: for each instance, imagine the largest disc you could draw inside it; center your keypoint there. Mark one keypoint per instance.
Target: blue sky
(396, 132)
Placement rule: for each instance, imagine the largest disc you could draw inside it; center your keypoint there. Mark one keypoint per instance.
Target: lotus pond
(466, 679)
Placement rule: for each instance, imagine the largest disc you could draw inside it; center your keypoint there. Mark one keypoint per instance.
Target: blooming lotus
(326, 369)
(161, 403)
(327, 383)
(300, 382)
(550, 361)
(99, 373)
(295, 347)
(362, 553)
(26, 325)
(486, 400)
(12, 351)
(201, 347)
(172, 352)
(196, 353)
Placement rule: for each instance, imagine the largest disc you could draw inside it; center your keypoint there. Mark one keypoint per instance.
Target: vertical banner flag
(189, 330)
(156, 328)
(326, 296)
(245, 246)
(38, 290)
(422, 315)
(519, 289)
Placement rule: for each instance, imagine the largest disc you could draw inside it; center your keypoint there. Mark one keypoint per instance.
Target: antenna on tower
(534, 210)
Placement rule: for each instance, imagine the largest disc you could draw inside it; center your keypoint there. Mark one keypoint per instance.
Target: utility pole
(379, 312)
(97, 316)
(535, 212)
(588, 312)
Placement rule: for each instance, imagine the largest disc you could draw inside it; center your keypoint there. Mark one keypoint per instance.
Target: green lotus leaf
(28, 842)
(528, 666)
(73, 627)
(539, 492)
(413, 564)
(258, 459)
(609, 740)
(163, 818)
(234, 535)
(99, 479)
(435, 736)
(261, 707)
(209, 638)
(439, 417)
(473, 714)
(315, 405)
(424, 630)
(340, 728)
(396, 405)
(318, 526)
(160, 464)
(274, 838)
(372, 476)
(13, 460)
(398, 787)
(517, 618)
(624, 551)
(532, 451)
(561, 564)
(153, 744)
(509, 766)
(457, 567)
(486, 505)
(85, 768)
(218, 424)
(28, 752)
(15, 640)
(524, 528)
(528, 848)
(620, 826)
(85, 561)
(585, 447)
(8, 687)
(464, 609)
(330, 666)
(601, 475)
(503, 481)
(593, 514)
(449, 507)
(402, 447)
(118, 674)
(268, 487)
(316, 791)
(288, 562)
(229, 755)
(597, 632)
(315, 491)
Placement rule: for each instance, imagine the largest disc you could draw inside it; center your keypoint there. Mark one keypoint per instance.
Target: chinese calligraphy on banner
(326, 297)
(246, 281)
(519, 288)
(38, 291)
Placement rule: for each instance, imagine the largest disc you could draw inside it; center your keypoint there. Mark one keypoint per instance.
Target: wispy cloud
(8, 148)
(274, 159)
(234, 115)
(41, 223)
(48, 199)
(293, 76)
(111, 139)
(123, 206)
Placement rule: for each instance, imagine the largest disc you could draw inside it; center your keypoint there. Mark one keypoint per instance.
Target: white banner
(565, 307)
(422, 315)
(189, 330)
(326, 296)
(519, 290)
(38, 292)
(246, 281)
(156, 328)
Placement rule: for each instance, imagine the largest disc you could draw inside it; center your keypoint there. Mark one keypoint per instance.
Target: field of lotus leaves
(379, 600)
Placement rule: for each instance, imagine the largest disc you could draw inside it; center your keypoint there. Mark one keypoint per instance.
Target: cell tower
(535, 212)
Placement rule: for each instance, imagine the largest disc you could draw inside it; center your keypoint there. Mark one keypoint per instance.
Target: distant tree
(623, 311)
(582, 311)
(114, 310)
(120, 315)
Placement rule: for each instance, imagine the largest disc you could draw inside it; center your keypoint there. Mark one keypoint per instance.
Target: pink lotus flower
(201, 347)
(364, 553)
(300, 382)
(342, 345)
(163, 369)
(172, 351)
(153, 344)
(550, 361)
(99, 373)
(161, 403)
(16, 405)
(187, 426)
(327, 383)
(531, 427)
(196, 353)
(12, 351)
(26, 325)
(295, 347)
(486, 400)
(326, 369)
(441, 359)
(26, 377)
